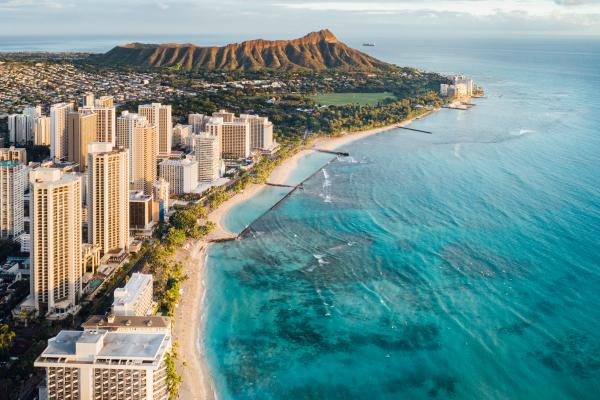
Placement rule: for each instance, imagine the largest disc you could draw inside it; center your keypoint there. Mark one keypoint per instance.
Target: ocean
(463, 264)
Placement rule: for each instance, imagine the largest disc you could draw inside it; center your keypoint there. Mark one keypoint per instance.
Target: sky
(291, 18)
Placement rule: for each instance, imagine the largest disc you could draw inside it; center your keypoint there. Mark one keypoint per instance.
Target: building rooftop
(116, 345)
(115, 322)
(132, 288)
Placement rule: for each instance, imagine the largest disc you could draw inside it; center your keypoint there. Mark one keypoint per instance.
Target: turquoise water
(242, 215)
(463, 264)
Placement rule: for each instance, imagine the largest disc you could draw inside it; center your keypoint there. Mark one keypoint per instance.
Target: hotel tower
(108, 197)
(160, 115)
(58, 129)
(55, 216)
(13, 180)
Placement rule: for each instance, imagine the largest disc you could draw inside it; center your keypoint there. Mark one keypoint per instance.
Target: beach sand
(188, 327)
(197, 382)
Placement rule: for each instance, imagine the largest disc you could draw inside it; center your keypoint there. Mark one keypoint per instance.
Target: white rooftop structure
(135, 298)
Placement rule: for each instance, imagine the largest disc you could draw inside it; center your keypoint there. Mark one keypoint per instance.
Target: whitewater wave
(522, 131)
(457, 147)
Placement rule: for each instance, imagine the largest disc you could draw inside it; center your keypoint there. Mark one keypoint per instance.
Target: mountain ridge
(315, 51)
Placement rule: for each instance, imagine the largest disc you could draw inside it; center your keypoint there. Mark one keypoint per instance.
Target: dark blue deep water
(463, 264)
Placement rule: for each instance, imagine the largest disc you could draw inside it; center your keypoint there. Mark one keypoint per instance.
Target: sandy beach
(188, 327)
(197, 382)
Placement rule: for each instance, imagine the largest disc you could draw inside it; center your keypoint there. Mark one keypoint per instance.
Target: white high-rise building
(58, 129)
(160, 115)
(196, 121)
(208, 155)
(122, 363)
(182, 175)
(261, 131)
(19, 126)
(182, 135)
(55, 217)
(135, 298)
(108, 197)
(33, 113)
(13, 181)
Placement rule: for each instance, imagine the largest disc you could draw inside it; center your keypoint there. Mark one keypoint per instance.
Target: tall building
(143, 157)
(41, 132)
(106, 120)
(181, 135)
(88, 99)
(227, 116)
(13, 181)
(126, 123)
(135, 298)
(196, 121)
(108, 198)
(261, 131)
(235, 140)
(104, 101)
(182, 175)
(160, 115)
(100, 364)
(81, 131)
(55, 218)
(58, 129)
(208, 155)
(19, 128)
(32, 113)
(13, 153)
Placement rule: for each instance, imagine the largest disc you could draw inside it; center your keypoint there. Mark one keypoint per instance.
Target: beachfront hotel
(58, 129)
(159, 115)
(135, 298)
(107, 364)
(55, 217)
(81, 131)
(108, 198)
(235, 142)
(261, 131)
(182, 175)
(207, 149)
(13, 181)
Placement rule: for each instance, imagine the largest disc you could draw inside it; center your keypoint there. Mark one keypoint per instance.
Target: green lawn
(341, 99)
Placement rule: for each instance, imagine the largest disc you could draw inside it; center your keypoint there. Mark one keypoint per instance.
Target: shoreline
(283, 171)
(188, 331)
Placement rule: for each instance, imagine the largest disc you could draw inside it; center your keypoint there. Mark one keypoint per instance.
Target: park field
(342, 99)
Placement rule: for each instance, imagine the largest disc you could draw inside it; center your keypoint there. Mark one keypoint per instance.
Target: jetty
(337, 153)
(282, 185)
(415, 130)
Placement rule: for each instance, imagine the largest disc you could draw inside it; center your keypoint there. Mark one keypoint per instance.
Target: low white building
(182, 175)
(135, 298)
